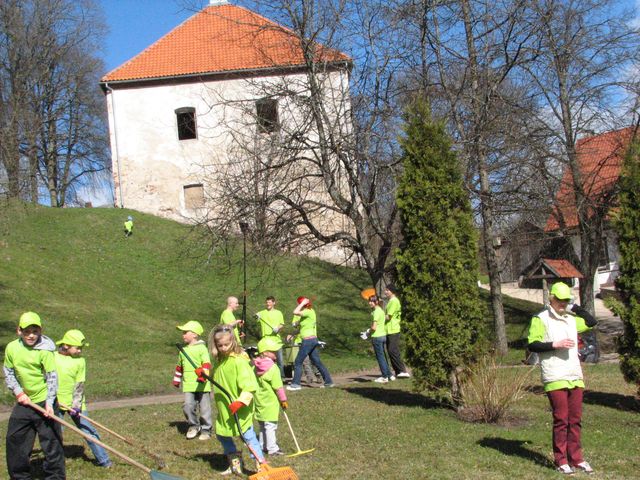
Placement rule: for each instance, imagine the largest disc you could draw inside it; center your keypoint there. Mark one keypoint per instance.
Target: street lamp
(244, 228)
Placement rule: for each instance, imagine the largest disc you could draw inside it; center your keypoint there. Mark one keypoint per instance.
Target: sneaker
(328, 385)
(192, 432)
(277, 453)
(381, 380)
(392, 378)
(293, 388)
(204, 435)
(585, 467)
(566, 469)
(404, 375)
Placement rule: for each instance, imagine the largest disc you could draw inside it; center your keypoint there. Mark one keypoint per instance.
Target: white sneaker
(293, 388)
(204, 435)
(381, 380)
(566, 469)
(585, 467)
(404, 375)
(192, 432)
(392, 378)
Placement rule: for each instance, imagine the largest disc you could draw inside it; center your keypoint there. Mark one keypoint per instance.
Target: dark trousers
(24, 423)
(566, 405)
(393, 347)
(309, 349)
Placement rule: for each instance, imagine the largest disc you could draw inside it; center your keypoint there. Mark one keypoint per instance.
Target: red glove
(199, 373)
(235, 406)
(177, 376)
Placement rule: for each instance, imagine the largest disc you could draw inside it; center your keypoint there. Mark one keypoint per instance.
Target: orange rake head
(278, 473)
(367, 292)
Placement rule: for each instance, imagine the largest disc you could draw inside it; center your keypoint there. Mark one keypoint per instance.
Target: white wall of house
(609, 269)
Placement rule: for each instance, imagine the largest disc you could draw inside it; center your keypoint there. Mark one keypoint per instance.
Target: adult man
(229, 318)
(553, 334)
(393, 312)
(271, 322)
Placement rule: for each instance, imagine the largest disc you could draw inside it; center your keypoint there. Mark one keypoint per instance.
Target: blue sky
(136, 24)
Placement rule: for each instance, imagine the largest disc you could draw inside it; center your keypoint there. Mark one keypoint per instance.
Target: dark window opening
(186, 118)
(267, 115)
(603, 264)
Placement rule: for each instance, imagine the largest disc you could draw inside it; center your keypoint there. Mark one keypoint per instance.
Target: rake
(266, 472)
(299, 452)
(153, 474)
(159, 460)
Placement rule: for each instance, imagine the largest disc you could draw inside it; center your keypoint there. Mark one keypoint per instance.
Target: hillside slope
(75, 268)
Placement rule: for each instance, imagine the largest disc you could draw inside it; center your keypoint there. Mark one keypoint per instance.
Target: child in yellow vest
(71, 376)
(270, 395)
(232, 370)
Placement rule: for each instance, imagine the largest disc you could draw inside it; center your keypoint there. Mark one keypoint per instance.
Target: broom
(266, 472)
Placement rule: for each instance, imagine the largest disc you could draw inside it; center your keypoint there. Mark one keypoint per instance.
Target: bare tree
(53, 128)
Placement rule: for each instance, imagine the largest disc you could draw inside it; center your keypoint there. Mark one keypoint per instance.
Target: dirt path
(338, 379)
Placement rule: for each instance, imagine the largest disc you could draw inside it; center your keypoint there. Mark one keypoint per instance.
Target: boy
(128, 227)
(270, 394)
(228, 318)
(195, 386)
(72, 369)
(271, 322)
(30, 373)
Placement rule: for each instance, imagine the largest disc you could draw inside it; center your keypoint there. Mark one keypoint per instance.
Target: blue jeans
(280, 362)
(378, 347)
(229, 446)
(102, 457)
(308, 348)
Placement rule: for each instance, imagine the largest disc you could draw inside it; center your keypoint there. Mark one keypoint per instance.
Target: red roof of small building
(600, 160)
(562, 268)
(222, 38)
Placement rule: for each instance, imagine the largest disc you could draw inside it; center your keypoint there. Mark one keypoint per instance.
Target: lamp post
(244, 228)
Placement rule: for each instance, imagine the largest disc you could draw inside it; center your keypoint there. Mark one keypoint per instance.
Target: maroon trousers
(566, 405)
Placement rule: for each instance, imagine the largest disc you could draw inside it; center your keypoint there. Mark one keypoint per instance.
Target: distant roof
(218, 39)
(552, 269)
(600, 160)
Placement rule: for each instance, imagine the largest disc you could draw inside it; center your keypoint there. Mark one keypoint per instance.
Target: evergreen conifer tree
(627, 225)
(436, 264)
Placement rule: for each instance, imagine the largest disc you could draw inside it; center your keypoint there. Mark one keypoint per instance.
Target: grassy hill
(75, 268)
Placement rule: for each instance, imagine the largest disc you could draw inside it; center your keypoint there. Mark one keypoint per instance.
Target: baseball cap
(561, 291)
(269, 344)
(74, 338)
(29, 318)
(191, 326)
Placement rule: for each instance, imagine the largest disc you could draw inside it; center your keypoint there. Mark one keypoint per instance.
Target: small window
(186, 118)
(267, 115)
(193, 196)
(603, 264)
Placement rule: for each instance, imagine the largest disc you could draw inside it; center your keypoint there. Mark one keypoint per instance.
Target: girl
(379, 339)
(233, 372)
(309, 345)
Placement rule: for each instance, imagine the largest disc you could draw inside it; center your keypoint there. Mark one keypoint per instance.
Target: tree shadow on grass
(218, 461)
(396, 397)
(76, 451)
(70, 451)
(181, 427)
(626, 403)
(516, 448)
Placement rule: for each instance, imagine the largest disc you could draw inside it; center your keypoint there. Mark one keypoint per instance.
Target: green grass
(364, 431)
(75, 268)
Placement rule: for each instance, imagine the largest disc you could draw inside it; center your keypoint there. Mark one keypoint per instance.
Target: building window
(193, 196)
(186, 119)
(267, 115)
(603, 264)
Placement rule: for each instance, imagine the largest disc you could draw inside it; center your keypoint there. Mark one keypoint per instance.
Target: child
(233, 372)
(128, 227)
(309, 345)
(379, 339)
(30, 373)
(553, 334)
(71, 369)
(270, 393)
(195, 386)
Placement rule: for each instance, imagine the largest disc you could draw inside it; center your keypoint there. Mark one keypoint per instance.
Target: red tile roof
(600, 159)
(223, 38)
(562, 268)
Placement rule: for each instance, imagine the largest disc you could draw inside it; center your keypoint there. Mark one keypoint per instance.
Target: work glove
(276, 329)
(284, 404)
(200, 373)
(74, 412)
(365, 335)
(235, 406)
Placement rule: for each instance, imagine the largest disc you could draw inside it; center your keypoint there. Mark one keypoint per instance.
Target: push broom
(159, 460)
(153, 474)
(266, 472)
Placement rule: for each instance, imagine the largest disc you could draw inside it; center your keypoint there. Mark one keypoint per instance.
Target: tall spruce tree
(436, 264)
(627, 225)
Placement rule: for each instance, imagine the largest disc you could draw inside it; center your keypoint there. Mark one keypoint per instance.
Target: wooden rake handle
(159, 460)
(89, 438)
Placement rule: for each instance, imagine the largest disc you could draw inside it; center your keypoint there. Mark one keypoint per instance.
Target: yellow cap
(561, 291)
(74, 338)
(191, 326)
(29, 318)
